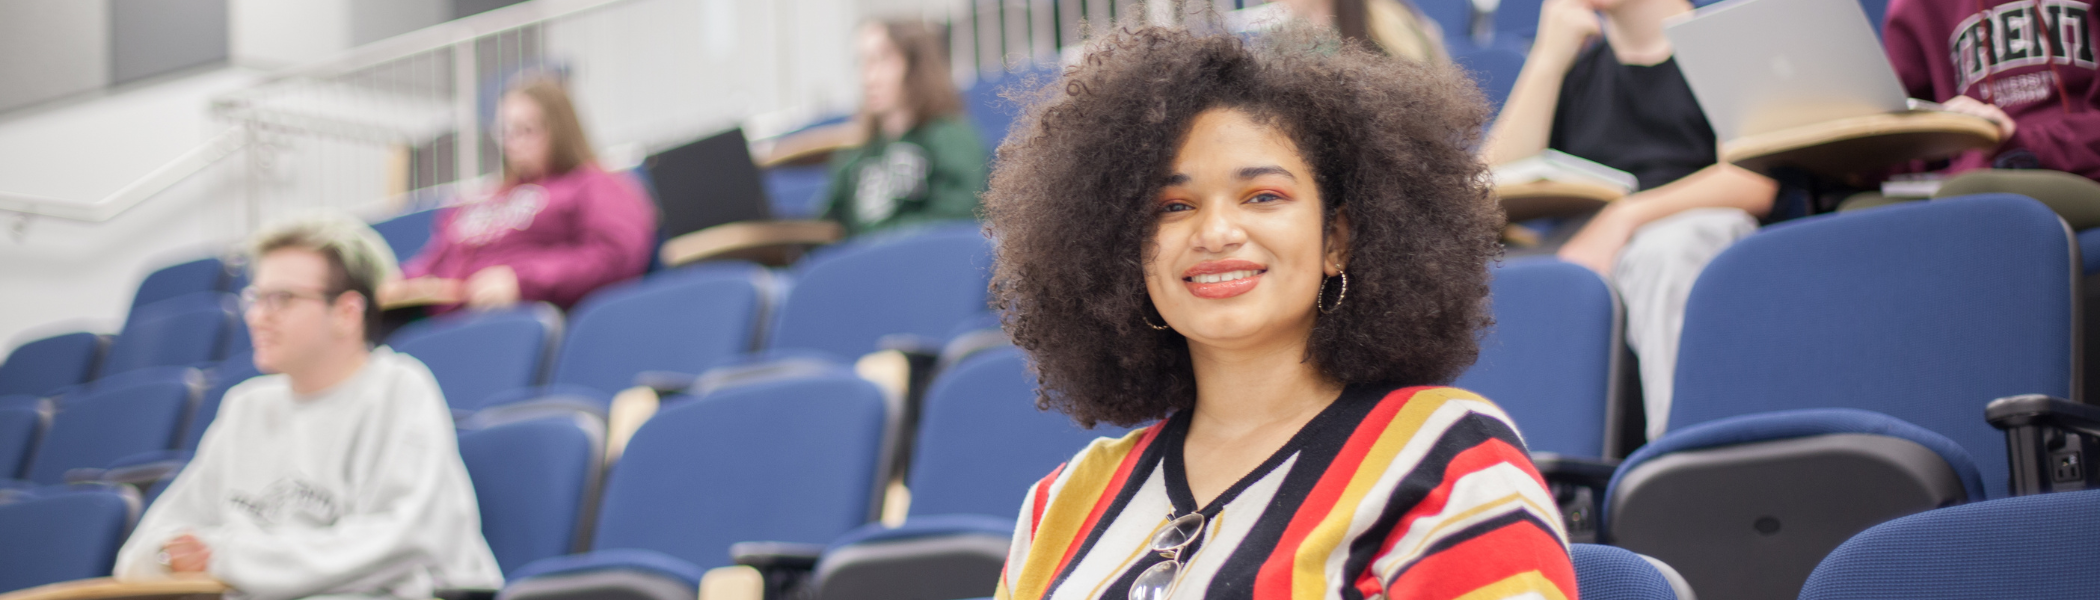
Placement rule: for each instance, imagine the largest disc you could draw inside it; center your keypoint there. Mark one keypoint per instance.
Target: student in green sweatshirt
(922, 161)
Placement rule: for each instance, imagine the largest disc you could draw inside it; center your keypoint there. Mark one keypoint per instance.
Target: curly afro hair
(1391, 142)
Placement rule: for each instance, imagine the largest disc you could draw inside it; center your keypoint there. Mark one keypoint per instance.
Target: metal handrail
(138, 191)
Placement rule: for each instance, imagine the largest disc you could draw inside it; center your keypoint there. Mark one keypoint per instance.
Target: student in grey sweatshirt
(339, 474)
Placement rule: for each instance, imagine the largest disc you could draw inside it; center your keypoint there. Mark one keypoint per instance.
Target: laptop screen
(707, 183)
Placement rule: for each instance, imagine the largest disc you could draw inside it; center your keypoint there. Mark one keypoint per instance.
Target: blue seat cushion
(926, 527)
(615, 559)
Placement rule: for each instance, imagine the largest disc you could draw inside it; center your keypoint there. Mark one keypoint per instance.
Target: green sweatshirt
(933, 173)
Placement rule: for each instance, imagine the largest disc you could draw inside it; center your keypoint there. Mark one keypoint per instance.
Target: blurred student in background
(558, 227)
(338, 474)
(1622, 102)
(1393, 27)
(2027, 66)
(919, 160)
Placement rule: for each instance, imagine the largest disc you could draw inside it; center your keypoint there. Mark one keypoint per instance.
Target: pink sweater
(2033, 58)
(564, 236)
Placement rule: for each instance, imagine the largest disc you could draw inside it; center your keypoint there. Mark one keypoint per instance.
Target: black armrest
(1578, 486)
(785, 565)
(2047, 441)
(665, 382)
(465, 594)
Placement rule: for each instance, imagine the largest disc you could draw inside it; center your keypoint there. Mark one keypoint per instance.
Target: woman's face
(881, 71)
(522, 127)
(1238, 257)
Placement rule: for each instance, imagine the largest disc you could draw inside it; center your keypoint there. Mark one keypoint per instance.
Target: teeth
(1222, 277)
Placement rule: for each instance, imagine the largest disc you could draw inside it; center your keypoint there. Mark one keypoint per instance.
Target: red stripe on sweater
(1274, 580)
(1108, 495)
(1494, 556)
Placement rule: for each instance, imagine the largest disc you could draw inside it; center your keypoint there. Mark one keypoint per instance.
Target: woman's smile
(1215, 279)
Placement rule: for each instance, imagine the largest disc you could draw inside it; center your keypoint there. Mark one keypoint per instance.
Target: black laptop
(707, 183)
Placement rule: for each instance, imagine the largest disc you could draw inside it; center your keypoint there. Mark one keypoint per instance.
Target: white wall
(52, 48)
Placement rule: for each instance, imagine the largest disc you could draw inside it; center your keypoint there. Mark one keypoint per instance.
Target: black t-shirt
(1641, 120)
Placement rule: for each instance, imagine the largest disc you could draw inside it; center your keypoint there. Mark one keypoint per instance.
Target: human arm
(190, 506)
(1488, 528)
(1598, 243)
(1525, 124)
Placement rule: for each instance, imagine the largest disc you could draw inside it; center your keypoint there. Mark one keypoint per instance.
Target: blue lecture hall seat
(1833, 375)
(1607, 573)
(184, 331)
(406, 233)
(111, 423)
(201, 275)
(42, 366)
(535, 480)
(981, 443)
(914, 285)
(2041, 546)
(707, 473)
(63, 536)
(683, 320)
(476, 355)
(1552, 357)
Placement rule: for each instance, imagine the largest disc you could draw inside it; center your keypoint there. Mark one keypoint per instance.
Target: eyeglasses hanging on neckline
(1157, 582)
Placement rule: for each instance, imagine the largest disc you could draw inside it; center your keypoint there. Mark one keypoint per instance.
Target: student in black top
(1622, 102)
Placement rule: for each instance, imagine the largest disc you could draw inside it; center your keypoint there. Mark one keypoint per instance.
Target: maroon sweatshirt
(2033, 58)
(564, 236)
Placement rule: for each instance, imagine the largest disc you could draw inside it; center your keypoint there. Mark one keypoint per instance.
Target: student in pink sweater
(2027, 65)
(558, 228)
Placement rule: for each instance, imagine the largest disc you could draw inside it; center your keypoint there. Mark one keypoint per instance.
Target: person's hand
(421, 290)
(493, 287)
(1597, 245)
(1563, 27)
(1977, 108)
(187, 554)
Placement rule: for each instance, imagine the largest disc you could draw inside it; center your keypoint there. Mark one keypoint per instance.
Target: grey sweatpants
(1654, 277)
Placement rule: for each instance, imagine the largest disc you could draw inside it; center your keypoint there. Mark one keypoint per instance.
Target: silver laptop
(1763, 65)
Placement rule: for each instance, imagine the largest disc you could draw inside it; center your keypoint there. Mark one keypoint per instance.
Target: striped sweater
(1410, 493)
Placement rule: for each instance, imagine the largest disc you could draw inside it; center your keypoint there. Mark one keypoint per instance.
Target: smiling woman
(1277, 251)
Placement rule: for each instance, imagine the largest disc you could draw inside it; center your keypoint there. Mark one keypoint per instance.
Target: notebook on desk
(1759, 66)
(708, 182)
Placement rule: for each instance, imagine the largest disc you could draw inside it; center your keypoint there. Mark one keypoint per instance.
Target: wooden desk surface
(183, 587)
(1526, 201)
(1849, 146)
(731, 239)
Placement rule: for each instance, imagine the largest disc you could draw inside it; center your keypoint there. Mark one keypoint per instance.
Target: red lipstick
(1215, 279)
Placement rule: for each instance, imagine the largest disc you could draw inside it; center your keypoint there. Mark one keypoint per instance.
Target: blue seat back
(797, 192)
(1550, 359)
(1455, 17)
(531, 479)
(476, 355)
(846, 299)
(222, 377)
(1517, 18)
(1925, 312)
(676, 321)
(1494, 68)
(201, 275)
(990, 112)
(62, 537)
(99, 427)
(982, 441)
(1607, 573)
(2041, 546)
(183, 331)
(42, 366)
(790, 461)
(20, 427)
(406, 233)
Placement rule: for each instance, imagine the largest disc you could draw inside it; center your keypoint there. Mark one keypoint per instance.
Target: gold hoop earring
(1148, 323)
(1344, 293)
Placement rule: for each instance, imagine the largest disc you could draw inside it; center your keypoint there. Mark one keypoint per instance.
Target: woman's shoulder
(1413, 411)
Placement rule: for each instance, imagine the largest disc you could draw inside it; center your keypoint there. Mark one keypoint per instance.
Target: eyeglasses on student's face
(275, 300)
(1157, 583)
